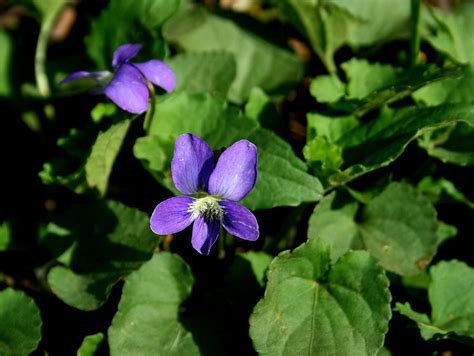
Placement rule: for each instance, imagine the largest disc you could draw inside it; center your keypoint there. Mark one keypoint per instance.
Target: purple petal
(76, 75)
(128, 90)
(171, 216)
(192, 164)
(239, 221)
(124, 53)
(204, 235)
(158, 73)
(98, 78)
(236, 171)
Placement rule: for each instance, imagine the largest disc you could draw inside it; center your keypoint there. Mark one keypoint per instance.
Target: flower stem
(40, 55)
(415, 32)
(151, 111)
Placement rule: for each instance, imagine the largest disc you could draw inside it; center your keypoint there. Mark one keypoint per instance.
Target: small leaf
(451, 296)
(90, 345)
(365, 78)
(6, 45)
(442, 190)
(312, 308)
(327, 88)
(333, 221)
(5, 236)
(102, 157)
(147, 321)
(20, 329)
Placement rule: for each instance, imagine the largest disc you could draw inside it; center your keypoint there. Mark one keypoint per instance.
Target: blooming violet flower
(217, 190)
(127, 87)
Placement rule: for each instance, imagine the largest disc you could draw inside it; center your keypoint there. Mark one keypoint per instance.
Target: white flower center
(207, 208)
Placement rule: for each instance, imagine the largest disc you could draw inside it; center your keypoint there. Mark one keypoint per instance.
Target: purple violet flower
(216, 189)
(127, 87)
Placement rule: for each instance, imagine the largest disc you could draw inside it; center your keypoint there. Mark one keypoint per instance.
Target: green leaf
(442, 190)
(392, 90)
(333, 221)
(365, 78)
(221, 125)
(5, 236)
(259, 63)
(458, 90)
(398, 227)
(324, 157)
(129, 21)
(327, 88)
(6, 48)
(450, 32)
(376, 25)
(110, 241)
(147, 321)
(20, 329)
(90, 345)
(451, 145)
(369, 146)
(326, 25)
(312, 308)
(451, 297)
(211, 72)
(102, 157)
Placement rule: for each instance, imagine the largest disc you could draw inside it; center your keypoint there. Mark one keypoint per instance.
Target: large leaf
(282, 178)
(451, 294)
(313, 308)
(398, 227)
(147, 321)
(211, 72)
(20, 329)
(102, 157)
(366, 147)
(129, 21)
(259, 63)
(109, 240)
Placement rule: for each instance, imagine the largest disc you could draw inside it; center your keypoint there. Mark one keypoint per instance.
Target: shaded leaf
(259, 63)
(103, 154)
(110, 241)
(129, 21)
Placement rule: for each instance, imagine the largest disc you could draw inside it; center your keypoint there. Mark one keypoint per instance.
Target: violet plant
(128, 85)
(212, 192)
(116, 230)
